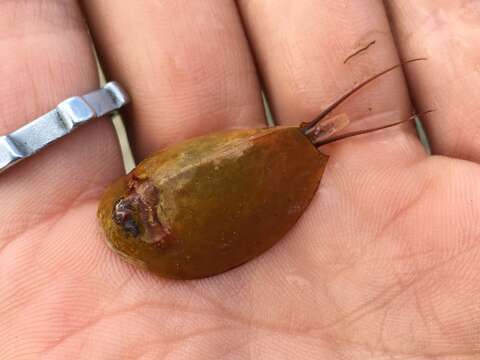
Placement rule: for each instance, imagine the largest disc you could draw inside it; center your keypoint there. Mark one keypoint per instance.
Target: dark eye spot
(123, 215)
(131, 227)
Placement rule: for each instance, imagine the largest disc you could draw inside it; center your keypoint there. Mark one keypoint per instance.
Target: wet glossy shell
(218, 200)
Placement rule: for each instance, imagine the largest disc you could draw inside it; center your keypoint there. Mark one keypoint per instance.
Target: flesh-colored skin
(223, 198)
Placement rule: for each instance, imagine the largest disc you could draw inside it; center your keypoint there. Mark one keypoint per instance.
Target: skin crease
(383, 265)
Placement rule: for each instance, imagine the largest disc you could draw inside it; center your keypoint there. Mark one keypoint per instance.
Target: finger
(186, 63)
(46, 58)
(301, 53)
(446, 32)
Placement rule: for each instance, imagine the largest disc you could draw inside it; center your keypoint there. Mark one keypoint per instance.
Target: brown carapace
(209, 204)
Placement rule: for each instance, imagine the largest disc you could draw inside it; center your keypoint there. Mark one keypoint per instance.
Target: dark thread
(359, 51)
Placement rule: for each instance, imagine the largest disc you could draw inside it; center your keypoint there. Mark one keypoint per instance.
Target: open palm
(383, 265)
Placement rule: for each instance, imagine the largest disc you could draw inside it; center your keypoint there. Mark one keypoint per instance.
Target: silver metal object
(61, 121)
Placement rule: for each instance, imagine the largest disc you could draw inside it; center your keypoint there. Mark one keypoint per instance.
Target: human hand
(384, 264)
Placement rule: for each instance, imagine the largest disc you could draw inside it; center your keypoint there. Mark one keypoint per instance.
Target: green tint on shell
(222, 200)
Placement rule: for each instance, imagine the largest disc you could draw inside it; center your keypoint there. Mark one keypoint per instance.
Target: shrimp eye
(131, 227)
(123, 215)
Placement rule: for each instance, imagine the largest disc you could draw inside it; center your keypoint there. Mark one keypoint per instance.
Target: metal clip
(61, 121)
